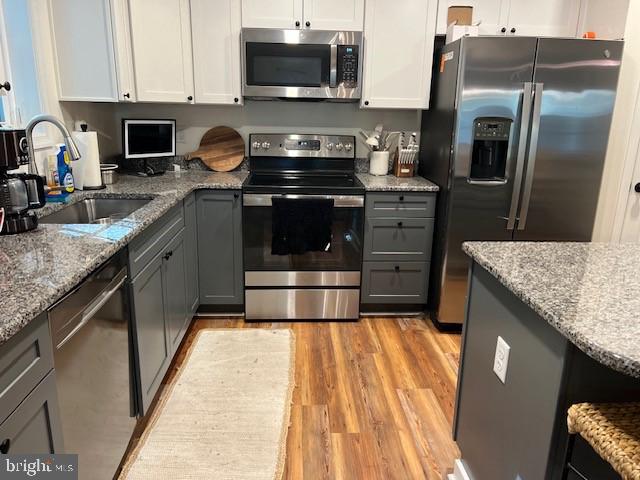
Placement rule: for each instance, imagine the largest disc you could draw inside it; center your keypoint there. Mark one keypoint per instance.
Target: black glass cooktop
(344, 183)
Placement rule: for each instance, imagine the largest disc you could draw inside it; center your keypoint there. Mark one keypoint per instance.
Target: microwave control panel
(348, 65)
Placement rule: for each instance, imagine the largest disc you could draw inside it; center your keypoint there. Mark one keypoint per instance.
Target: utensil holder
(404, 164)
(379, 163)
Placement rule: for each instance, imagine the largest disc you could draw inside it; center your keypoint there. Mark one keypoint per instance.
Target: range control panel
(302, 145)
(348, 65)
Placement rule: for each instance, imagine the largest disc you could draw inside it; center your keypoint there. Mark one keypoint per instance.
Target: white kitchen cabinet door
(161, 43)
(398, 44)
(215, 30)
(334, 14)
(545, 18)
(83, 49)
(272, 13)
(491, 14)
(122, 47)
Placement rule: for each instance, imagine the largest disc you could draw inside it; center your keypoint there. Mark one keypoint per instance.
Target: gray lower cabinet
(397, 247)
(34, 427)
(177, 311)
(153, 349)
(220, 247)
(191, 253)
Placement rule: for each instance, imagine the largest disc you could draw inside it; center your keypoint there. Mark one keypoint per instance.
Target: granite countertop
(390, 183)
(589, 292)
(37, 268)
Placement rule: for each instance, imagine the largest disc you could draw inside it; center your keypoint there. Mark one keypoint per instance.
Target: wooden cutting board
(221, 149)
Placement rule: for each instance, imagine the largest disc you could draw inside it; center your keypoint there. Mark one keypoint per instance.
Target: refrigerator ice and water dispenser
(490, 149)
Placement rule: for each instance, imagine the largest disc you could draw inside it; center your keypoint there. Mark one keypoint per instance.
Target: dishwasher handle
(96, 304)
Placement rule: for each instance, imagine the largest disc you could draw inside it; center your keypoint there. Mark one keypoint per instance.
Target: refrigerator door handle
(531, 159)
(525, 119)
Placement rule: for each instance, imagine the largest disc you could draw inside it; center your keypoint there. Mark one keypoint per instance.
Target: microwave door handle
(333, 68)
(531, 160)
(525, 119)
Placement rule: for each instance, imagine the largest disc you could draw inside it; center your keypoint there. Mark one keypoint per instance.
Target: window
(18, 66)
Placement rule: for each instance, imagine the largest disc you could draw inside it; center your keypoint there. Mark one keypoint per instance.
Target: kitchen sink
(96, 210)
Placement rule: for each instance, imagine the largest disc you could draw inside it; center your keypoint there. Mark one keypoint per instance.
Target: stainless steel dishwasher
(91, 328)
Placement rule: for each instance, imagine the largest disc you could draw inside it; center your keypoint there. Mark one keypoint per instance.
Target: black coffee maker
(19, 192)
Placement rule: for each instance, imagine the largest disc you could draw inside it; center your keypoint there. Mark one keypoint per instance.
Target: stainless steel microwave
(303, 64)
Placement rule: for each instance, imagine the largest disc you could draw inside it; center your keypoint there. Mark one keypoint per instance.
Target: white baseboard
(460, 471)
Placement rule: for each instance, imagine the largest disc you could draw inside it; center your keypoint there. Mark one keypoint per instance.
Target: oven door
(344, 254)
(298, 64)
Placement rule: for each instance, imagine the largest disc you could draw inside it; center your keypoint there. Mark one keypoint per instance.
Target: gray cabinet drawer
(24, 360)
(34, 427)
(398, 239)
(400, 204)
(150, 242)
(394, 282)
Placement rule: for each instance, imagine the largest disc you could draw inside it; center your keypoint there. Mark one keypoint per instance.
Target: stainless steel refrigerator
(515, 137)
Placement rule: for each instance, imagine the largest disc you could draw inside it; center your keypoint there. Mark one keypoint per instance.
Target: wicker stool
(612, 430)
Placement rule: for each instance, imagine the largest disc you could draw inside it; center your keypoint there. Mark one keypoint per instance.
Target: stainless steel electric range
(302, 226)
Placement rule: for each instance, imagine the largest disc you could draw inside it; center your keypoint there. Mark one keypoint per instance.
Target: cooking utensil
(221, 149)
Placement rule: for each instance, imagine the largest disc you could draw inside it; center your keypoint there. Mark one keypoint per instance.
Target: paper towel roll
(86, 171)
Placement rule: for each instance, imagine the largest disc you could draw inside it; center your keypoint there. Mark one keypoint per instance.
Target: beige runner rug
(227, 413)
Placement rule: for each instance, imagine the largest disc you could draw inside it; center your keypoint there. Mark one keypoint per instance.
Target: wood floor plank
(373, 399)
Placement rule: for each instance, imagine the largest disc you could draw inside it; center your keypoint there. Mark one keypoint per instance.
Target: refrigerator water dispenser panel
(490, 149)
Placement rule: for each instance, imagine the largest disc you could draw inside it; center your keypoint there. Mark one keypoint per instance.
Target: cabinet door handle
(399, 224)
(513, 30)
(401, 198)
(190, 98)
(308, 24)
(637, 188)
(397, 268)
(5, 446)
(168, 255)
(503, 30)
(236, 195)
(297, 24)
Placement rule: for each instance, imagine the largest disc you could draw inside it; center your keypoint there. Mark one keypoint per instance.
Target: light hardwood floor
(373, 399)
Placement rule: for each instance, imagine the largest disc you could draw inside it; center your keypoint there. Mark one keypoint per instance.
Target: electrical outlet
(501, 359)
(180, 136)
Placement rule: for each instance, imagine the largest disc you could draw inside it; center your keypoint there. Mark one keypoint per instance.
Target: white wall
(606, 18)
(622, 140)
(270, 117)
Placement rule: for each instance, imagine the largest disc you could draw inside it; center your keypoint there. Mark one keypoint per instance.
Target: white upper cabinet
(122, 44)
(215, 30)
(488, 12)
(161, 43)
(547, 18)
(398, 44)
(334, 14)
(313, 14)
(272, 13)
(84, 50)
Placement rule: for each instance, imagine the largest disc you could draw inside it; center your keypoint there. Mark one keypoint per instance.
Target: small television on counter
(143, 138)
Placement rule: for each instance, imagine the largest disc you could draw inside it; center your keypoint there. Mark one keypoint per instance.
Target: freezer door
(577, 82)
(494, 75)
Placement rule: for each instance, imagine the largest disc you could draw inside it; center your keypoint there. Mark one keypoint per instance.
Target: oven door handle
(264, 200)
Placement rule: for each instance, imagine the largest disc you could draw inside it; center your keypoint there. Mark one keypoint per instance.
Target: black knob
(397, 268)
(236, 100)
(6, 86)
(167, 256)
(236, 195)
(637, 188)
(297, 24)
(5, 446)
(308, 24)
(513, 30)
(399, 224)
(503, 29)
(366, 102)
(126, 95)
(401, 198)
(189, 98)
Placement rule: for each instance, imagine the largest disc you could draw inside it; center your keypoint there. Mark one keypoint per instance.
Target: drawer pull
(5, 446)
(399, 224)
(401, 198)
(397, 268)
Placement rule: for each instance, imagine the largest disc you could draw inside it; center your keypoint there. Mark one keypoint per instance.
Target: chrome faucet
(72, 148)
